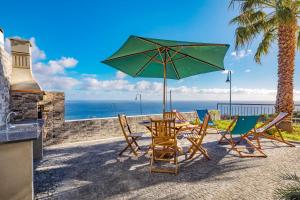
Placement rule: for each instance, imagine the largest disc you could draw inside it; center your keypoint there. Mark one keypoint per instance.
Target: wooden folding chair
(262, 131)
(164, 145)
(244, 126)
(179, 116)
(201, 114)
(131, 138)
(196, 138)
(169, 115)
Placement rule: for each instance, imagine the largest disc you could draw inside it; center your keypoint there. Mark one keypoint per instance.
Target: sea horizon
(86, 109)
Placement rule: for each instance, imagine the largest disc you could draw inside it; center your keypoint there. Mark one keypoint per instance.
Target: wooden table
(179, 124)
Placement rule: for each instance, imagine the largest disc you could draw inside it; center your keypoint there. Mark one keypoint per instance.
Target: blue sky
(70, 38)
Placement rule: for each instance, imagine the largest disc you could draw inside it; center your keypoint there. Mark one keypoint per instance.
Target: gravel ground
(93, 170)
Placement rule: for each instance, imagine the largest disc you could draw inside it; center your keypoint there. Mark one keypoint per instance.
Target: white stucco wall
(5, 75)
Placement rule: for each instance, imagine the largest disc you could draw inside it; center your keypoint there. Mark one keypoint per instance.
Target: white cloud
(7, 45)
(57, 82)
(106, 85)
(146, 86)
(196, 90)
(50, 75)
(226, 71)
(89, 75)
(54, 66)
(248, 70)
(241, 53)
(36, 52)
(90, 83)
(120, 75)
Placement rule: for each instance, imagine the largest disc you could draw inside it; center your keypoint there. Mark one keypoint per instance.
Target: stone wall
(53, 113)
(5, 73)
(25, 104)
(99, 128)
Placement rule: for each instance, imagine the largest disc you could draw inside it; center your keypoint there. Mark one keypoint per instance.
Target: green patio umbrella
(167, 59)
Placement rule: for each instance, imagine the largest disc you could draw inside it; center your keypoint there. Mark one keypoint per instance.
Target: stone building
(19, 91)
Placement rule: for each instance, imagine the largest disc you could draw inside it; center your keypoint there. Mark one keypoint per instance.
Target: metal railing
(249, 108)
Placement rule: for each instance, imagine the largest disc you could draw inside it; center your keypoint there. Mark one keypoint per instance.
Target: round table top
(178, 123)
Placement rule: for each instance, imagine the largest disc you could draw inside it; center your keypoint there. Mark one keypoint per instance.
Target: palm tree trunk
(286, 65)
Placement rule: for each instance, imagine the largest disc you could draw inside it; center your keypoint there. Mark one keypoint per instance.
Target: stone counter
(16, 160)
(29, 130)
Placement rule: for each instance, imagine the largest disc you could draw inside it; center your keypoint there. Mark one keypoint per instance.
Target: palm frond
(264, 45)
(233, 2)
(289, 192)
(290, 177)
(244, 34)
(248, 17)
(252, 4)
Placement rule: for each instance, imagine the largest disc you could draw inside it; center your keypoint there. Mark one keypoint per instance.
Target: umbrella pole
(165, 74)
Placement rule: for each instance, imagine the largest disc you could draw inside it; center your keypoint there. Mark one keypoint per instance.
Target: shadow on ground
(94, 170)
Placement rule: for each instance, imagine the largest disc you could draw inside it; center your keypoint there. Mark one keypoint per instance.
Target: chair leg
(282, 139)
(197, 146)
(134, 140)
(175, 160)
(223, 136)
(123, 150)
(172, 159)
(255, 147)
(276, 139)
(129, 145)
(152, 160)
(257, 140)
(245, 137)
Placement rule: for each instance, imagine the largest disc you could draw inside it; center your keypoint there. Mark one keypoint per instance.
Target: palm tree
(275, 21)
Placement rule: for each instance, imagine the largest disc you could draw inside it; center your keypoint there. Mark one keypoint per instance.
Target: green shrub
(295, 135)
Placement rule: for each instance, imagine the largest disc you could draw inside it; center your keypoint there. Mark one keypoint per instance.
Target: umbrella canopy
(156, 58)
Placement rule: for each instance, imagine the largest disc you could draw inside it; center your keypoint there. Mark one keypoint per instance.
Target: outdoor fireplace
(25, 92)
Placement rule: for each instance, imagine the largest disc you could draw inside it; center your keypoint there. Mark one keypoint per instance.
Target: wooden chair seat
(191, 135)
(164, 142)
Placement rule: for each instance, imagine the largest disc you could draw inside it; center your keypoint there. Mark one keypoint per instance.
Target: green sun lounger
(243, 126)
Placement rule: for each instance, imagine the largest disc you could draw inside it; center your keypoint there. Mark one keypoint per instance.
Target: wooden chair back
(163, 128)
(179, 116)
(273, 122)
(169, 115)
(164, 145)
(124, 125)
(203, 128)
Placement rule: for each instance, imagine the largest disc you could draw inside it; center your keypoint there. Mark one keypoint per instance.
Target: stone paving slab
(93, 170)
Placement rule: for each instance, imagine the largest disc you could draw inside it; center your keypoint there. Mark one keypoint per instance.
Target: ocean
(98, 109)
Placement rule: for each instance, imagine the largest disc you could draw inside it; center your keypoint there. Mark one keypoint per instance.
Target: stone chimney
(5, 69)
(22, 79)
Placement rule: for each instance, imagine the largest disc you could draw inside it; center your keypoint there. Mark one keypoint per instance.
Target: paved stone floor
(92, 170)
